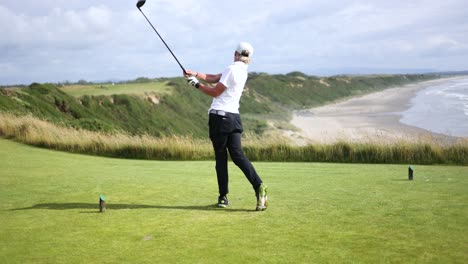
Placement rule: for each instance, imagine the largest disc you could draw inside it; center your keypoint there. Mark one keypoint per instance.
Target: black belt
(218, 112)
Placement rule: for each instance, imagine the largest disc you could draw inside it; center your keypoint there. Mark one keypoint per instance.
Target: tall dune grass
(402, 152)
(32, 131)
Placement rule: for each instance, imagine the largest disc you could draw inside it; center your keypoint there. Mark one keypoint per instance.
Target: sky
(99, 40)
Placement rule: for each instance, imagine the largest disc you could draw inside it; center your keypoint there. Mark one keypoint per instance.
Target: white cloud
(71, 39)
(60, 28)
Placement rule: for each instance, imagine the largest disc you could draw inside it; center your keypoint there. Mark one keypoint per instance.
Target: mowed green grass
(78, 90)
(163, 212)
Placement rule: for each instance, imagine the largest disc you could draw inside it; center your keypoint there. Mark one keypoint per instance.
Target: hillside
(169, 106)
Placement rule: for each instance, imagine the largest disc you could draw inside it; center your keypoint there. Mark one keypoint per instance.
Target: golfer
(225, 124)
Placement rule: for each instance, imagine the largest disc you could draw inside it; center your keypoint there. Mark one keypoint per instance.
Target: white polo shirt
(234, 78)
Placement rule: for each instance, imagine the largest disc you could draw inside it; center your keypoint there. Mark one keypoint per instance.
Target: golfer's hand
(193, 81)
(189, 73)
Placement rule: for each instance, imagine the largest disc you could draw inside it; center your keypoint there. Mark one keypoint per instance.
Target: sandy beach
(369, 118)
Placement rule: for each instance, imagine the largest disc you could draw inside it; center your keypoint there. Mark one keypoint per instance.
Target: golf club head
(140, 3)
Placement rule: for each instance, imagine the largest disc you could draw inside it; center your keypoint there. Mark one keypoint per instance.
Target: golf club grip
(173, 55)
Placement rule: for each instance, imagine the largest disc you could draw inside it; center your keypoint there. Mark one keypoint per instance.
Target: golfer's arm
(212, 91)
(209, 78)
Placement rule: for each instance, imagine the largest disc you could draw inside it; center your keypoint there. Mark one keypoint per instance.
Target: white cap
(245, 49)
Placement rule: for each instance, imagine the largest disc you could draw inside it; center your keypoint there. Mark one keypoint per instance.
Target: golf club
(139, 4)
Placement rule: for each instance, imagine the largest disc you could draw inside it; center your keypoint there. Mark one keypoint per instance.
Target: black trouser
(225, 134)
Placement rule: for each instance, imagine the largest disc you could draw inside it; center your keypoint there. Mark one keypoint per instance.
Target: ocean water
(442, 108)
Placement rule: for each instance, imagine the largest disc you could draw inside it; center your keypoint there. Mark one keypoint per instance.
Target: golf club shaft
(182, 67)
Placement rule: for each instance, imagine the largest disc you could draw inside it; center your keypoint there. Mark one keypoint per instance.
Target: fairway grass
(78, 90)
(163, 212)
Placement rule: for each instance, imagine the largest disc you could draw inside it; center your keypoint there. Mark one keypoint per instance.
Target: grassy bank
(30, 130)
(160, 211)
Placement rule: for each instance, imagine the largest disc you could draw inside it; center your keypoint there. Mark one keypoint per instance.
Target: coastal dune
(370, 118)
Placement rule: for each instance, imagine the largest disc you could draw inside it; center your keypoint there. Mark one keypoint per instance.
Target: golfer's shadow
(91, 206)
